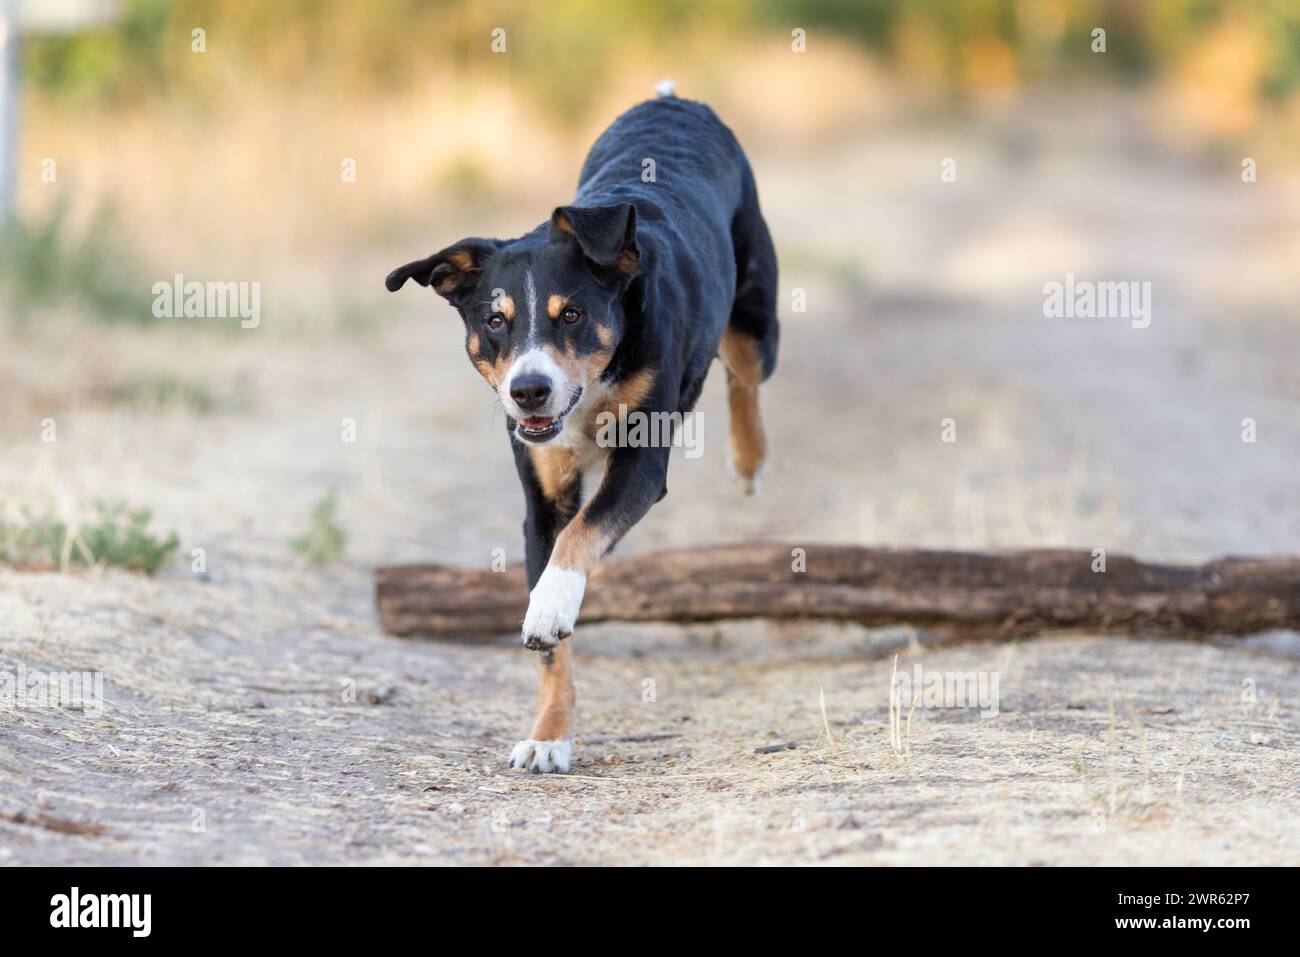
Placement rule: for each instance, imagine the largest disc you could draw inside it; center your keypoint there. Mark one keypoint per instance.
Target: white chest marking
(592, 469)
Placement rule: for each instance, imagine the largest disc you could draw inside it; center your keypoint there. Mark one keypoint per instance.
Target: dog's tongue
(538, 422)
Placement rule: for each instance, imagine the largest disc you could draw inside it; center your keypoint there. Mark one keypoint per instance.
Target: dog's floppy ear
(452, 273)
(606, 234)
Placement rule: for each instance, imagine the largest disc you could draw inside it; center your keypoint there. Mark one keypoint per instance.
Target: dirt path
(262, 702)
(1104, 752)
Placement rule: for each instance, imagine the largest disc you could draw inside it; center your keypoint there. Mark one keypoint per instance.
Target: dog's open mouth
(543, 428)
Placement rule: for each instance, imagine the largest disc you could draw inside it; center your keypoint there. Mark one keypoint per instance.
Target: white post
(9, 78)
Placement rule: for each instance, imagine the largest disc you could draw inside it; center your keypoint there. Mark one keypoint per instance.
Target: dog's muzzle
(540, 429)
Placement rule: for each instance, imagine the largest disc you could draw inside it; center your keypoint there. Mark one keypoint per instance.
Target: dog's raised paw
(553, 608)
(542, 757)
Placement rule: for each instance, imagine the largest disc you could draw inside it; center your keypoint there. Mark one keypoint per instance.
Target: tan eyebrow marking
(505, 305)
(555, 305)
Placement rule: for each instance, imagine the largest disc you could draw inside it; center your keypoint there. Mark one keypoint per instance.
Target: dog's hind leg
(748, 442)
(749, 344)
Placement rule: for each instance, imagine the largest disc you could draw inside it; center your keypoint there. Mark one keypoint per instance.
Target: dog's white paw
(542, 757)
(553, 607)
(750, 484)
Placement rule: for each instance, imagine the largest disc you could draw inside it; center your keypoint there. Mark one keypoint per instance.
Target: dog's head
(544, 313)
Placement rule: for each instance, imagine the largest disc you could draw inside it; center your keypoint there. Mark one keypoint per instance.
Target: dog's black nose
(530, 392)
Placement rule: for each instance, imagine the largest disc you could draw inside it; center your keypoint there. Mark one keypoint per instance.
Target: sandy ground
(257, 714)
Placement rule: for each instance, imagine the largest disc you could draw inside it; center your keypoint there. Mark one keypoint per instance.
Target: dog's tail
(666, 87)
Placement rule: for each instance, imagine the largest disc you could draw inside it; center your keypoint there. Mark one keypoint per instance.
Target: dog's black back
(707, 259)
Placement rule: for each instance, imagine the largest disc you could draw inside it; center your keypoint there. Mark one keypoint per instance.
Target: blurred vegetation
(43, 262)
(116, 536)
(559, 48)
(157, 391)
(324, 540)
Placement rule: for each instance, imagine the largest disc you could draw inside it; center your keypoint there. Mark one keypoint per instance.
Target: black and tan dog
(617, 305)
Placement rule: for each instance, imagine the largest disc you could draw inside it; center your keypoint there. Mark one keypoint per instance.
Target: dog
(615, 306)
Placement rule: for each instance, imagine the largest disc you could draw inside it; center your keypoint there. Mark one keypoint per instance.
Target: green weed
(325, 539)
(116, 536)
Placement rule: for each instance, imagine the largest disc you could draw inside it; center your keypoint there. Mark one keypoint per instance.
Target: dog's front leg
(632, 482)
(549, 745)
(551, 493)
(634, 479)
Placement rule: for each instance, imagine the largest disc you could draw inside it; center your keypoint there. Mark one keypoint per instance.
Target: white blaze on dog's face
(544, 313)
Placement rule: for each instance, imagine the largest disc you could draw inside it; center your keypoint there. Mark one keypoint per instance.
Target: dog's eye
(495, 321)
(570, 314)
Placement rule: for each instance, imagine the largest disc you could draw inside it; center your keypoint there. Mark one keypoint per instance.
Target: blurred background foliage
(230, 160)
(560, 49)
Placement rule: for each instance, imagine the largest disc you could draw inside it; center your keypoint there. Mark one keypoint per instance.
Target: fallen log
(976, 593)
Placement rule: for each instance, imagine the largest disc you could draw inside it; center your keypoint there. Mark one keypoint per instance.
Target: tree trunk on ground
(977, 593)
